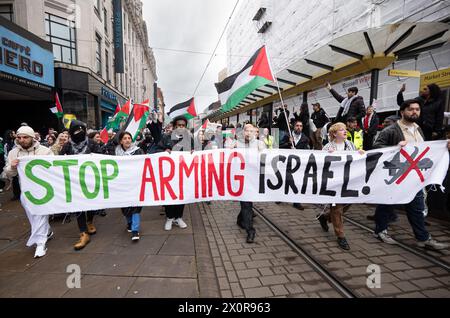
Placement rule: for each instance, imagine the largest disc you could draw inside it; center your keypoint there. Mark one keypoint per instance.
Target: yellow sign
(67, 119)
(441, 78)
(403, 73)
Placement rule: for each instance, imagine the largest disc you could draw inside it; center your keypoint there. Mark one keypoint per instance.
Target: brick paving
(267, 268)
(162, 264)
(211, 258)
(401, 271)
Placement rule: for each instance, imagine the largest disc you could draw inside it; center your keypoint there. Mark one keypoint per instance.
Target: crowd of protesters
(355, 128)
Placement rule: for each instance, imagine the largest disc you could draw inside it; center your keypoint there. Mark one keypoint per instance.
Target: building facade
(293, 29)
(101, 51)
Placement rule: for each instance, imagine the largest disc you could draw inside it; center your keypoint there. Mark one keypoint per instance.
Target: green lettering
(105, 177)
(29, 173)
(84, 188)
(65, 164)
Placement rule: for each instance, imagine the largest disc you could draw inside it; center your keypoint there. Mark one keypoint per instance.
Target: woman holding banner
(338, 142)
(132, 214)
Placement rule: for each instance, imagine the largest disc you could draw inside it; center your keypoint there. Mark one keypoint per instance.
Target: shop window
(105, 22)
(98, 54)
(107, 66)
(61, 33)
(6, 11)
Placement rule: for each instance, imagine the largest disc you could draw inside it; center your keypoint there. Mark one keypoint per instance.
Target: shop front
(86, 97)
(26, 78)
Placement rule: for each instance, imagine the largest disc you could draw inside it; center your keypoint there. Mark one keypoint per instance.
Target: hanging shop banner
(403, 73)
(58, 184)
(118, 36)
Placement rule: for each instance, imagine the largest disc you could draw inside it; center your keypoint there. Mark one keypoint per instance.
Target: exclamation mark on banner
(371, 163)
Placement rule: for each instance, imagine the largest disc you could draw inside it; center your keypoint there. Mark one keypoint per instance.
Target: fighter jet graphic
(398, 168)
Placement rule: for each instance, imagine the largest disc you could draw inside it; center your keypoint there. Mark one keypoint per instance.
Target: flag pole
(281, 98)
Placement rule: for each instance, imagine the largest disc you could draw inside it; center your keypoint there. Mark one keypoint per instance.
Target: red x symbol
(413, 165)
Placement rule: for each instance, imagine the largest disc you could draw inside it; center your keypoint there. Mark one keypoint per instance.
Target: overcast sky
(192, 25)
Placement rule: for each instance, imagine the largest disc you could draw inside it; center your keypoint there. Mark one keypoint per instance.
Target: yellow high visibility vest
(269, 142)
(358, 138)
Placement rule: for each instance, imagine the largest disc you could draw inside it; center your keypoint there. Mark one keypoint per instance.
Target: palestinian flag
(104, 136)
(137, 119)
(186, 109)
(124, 112)
(205, 124)
(114, 122)
(256, 73)
(57, 110)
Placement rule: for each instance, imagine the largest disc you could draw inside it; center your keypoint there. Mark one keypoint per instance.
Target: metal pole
(374, 85)
(305, 97)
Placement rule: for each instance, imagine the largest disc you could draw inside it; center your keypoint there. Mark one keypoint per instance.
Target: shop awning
(346, 56)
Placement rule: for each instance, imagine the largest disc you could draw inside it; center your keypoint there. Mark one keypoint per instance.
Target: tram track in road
(327, 275)
(334, 275)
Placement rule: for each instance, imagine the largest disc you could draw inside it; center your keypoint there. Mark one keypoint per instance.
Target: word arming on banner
(88, 182)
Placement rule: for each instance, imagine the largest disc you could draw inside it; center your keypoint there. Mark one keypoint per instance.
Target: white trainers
(168, 225)
(50, 235)
(384, 236)
(40, 251)
(432, 244)
(180, 223)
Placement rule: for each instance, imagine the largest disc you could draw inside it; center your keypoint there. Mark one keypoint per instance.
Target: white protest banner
(58, 184)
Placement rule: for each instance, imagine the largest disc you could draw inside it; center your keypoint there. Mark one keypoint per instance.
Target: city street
(211, 259)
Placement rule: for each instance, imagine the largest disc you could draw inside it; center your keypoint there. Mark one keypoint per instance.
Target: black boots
(251, 237)
(342, 242)
(323, 222)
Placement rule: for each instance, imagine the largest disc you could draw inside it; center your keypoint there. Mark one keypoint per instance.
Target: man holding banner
(401, 133)
(179, 140)
(245, 217)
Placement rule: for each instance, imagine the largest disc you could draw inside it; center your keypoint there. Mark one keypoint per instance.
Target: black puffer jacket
(320, 118)
(174, 143)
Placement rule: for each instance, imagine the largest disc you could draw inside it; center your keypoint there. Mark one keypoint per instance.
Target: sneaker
(342, 242)
(180, 223)
(41, 250)
(432, 244)
(168, 225)
(384, 237)
(129, 227)
(50, 235)
(135, 236)
(323, 222)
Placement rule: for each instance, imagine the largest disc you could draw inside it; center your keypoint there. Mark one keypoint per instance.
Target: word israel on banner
(57, 184)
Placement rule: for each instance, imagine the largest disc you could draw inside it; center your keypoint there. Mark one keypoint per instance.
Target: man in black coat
(300, 141)
(351, 106)
(80, 144)
(431, 110)
(320, 119)
(400, 134)
(180, 139)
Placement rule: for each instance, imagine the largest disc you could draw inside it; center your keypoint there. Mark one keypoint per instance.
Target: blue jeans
(135, 221)
(414, 212)
(133, 217)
